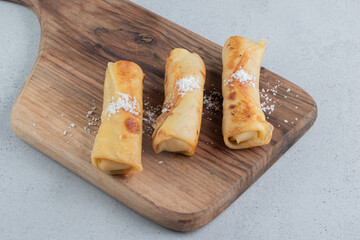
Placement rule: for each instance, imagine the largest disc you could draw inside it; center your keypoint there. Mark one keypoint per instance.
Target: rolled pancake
(244, 124)
(117, 147)
(177, 128)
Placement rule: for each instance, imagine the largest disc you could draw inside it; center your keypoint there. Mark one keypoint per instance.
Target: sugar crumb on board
(212, 102)
(88, 130)
(150, 114)
(268, 104)
(92, 121)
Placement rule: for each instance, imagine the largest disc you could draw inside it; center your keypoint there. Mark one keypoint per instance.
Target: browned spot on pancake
(132, 125)
(232, 96)
(126, 69)
(197, 132)
(246, 110)
(232, 106)
(231, 64)
(124, 137)
(243, 112)
(229, 45)
(202, 73)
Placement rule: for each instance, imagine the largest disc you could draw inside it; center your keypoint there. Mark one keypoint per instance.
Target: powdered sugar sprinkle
(125, 102)
(187, 84)
(243, 77)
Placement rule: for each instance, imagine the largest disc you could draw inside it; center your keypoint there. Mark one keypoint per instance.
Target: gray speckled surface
(312, 192)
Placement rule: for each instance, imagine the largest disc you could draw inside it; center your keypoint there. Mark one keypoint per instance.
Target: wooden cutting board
(181, 193)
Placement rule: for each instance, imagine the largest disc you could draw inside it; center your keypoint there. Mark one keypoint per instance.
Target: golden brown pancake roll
(244, 124)
(177, 128)
(117, 147)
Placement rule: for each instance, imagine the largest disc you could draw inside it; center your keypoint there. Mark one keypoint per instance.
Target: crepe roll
(117, 147)
(177, 128)
(244, 124)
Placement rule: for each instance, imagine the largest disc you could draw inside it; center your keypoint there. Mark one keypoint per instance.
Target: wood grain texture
(183, 193)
